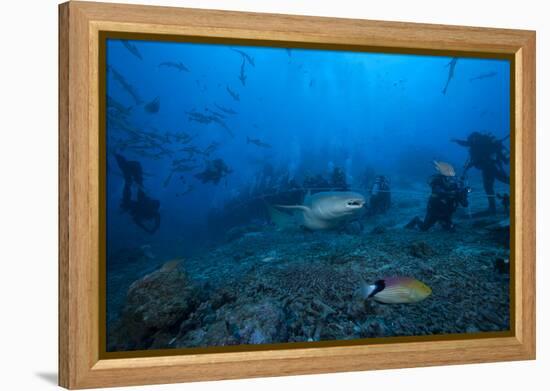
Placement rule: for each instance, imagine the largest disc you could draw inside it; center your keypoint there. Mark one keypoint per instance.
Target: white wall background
(28, 196)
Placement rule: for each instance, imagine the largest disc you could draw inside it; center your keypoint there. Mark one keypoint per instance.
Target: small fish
(183, 168)
(233, 94)
(484, 76)
(215, 171)
(451, 65)
(222, 124)
(211, 148)
(396, 290)
(215, 113)
(289, 52)
(219, 115)
(179, 168)
(225, 109)
(444, 168)
(131, 48)
(199, 117)
(257, 142)
(193, 150)
(181, 137)
(179, 162)
(206, 119)
(127, 86)
(242, 76)
(153, 107)
(187, 191)
(171, 64)
(118, 106)
(245, 56)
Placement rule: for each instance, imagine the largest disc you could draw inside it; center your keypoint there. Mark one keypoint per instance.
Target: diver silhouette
(144, 208)
(488, 154)
(380, 196)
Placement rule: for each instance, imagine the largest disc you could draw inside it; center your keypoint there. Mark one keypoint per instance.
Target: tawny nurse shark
(328, 210)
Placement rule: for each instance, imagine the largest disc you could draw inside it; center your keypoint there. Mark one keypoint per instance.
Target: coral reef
(269, 286)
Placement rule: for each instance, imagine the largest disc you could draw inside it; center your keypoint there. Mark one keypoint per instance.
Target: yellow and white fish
(444, 168)
(396, 290)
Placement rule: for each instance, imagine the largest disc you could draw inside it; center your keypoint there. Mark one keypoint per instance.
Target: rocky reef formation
(154, 305)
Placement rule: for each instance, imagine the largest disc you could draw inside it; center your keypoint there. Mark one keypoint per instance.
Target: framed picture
(247, 195)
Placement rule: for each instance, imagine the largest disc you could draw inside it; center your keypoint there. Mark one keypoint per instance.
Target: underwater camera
(462, 192)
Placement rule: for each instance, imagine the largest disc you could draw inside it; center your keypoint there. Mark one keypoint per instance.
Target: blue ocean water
(277, 119)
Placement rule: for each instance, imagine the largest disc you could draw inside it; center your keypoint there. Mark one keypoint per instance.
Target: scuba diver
(315, 183)
(380, 196)
(447, 195)
(338, 179)
(131, 170)
(215, 170)
(143, 208)
(488, 154)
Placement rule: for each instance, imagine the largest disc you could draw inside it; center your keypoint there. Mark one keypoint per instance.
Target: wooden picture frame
(81, 364)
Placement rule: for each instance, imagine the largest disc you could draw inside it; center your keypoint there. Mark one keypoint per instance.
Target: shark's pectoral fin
(294, 207)
(282, 219)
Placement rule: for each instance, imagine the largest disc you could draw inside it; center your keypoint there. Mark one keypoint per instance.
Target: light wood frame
(80, 364)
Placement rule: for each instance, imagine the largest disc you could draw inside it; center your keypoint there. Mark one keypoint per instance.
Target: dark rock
(258, 323)
(420, 250)
(218, 334)
(378, 230)
(222, 298)
(158, 302)
(239, 323)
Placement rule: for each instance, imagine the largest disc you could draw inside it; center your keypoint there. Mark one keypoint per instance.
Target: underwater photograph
(259, 195)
